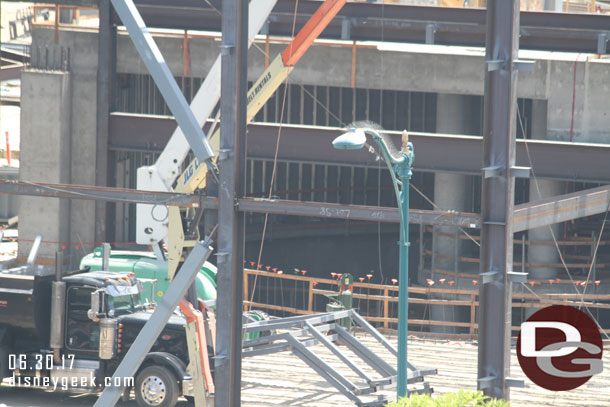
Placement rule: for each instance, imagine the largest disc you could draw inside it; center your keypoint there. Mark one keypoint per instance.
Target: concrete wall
(45, 156)
(443, 70)
(408, 67)
(422, 68)
(589, 92)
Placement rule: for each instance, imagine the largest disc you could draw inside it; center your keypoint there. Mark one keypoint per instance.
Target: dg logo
(560, 348)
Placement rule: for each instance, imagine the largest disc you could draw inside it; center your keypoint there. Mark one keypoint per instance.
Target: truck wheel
(156, 386)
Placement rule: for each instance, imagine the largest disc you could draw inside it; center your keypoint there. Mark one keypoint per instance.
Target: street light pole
(404, 173)
(399, 163)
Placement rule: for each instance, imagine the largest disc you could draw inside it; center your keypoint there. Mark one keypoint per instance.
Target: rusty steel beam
(561, 208)
(435, 152)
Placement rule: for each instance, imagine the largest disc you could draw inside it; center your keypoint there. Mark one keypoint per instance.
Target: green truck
(146, 266)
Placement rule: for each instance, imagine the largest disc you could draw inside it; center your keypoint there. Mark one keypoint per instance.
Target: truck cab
(76, 330)
(147, 266)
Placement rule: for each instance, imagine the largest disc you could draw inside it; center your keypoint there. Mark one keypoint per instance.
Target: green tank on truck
(145, 265)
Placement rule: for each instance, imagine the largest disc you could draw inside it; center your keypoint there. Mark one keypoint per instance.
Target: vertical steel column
(105, 55)
(497, 197)
(231, 163)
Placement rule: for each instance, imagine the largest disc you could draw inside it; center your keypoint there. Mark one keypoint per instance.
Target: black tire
(156, 386)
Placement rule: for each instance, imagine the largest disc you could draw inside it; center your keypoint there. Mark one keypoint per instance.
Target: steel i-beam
(497, 196)
(156, 65)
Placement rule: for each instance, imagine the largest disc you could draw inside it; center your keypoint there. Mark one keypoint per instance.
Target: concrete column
(79, 108)
(450, 190)
(449, 194)
(106, 58)
(553, 5)
(544, 253)
(453, 116)
(45, 147)
(539, 189)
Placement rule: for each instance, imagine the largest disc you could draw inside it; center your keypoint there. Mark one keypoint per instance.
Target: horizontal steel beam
(10, 101)
(394, 22)
(435, 152)
(526, 216)
(9, 72)
(357, 212)
(390, 22)
(70, 191)
(79, 3)
(279, 207)
(561, 208)
(16, 54)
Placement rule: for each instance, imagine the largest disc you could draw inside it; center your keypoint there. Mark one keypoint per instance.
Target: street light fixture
(399, 163)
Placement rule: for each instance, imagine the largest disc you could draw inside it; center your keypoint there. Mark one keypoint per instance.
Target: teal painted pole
(404, 174)
(399, 164)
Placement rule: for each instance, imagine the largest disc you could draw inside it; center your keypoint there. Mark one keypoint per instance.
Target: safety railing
(294, 293)
(579, 256)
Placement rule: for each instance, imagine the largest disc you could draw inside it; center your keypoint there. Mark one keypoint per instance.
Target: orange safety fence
(282, 293)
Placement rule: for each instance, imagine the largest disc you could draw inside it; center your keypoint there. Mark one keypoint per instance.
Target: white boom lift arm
(152, 221)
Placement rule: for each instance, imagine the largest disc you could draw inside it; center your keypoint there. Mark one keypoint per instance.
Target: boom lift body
(180, 229)
(150, 227)
(180, 232)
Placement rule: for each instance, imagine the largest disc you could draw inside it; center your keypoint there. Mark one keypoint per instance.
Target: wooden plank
(386, 305)
(277, 308)
(310, 297)
(246, 293)
(13, 221)
(472, 313)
